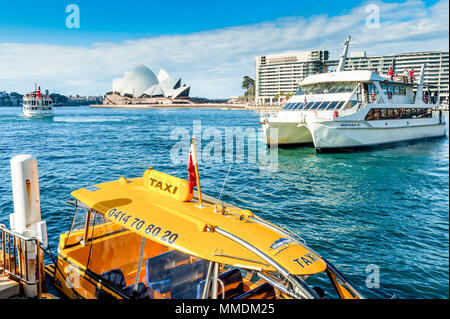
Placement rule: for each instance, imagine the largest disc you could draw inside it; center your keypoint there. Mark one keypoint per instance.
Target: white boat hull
(330, 136)
(287, 133)
(38, 113)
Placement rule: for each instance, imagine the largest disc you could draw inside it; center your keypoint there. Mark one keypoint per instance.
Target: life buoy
(389, 95)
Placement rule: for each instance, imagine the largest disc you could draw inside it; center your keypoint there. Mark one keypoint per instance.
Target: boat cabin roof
(346, 76)
(147, 206)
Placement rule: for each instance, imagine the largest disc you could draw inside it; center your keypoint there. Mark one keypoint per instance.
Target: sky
(211, 45)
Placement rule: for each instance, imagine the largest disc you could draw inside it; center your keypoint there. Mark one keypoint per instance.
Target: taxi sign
(167, 185)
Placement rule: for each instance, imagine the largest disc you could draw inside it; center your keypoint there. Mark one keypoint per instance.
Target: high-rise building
(279, 74)
(436, 71)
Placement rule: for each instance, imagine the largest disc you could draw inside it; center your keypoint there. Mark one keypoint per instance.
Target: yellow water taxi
(152, 237)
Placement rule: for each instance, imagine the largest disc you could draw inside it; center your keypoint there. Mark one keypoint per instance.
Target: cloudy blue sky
(210, 45)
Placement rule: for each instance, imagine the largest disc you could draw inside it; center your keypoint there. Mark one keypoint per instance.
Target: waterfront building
(279, 74)
(142, 86)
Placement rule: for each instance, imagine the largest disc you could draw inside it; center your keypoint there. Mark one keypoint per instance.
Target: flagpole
(194, 153)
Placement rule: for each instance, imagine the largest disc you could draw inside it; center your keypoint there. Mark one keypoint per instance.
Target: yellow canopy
(185, 226)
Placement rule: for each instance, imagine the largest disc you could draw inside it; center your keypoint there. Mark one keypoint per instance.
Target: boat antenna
(223, 185)
(343, 56)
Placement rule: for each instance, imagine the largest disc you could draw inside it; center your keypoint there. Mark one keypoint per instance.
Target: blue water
(388, 207)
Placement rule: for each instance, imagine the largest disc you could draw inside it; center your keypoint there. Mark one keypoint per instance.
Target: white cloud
(214, 62)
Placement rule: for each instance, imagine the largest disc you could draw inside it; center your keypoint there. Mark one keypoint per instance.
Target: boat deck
(8, 288)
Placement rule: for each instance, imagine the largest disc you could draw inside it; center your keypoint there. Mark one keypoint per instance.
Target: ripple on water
(387, 207)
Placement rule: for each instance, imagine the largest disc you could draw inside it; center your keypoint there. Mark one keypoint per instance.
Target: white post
(26, 219)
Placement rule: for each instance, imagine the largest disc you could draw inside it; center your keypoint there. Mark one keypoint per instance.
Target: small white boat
(35, 104)
(351, 109)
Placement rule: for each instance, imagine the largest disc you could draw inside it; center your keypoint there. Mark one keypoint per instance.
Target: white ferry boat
(351, 109)
(35, 104)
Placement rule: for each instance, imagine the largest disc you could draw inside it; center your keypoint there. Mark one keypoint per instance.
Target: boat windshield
(327, 88)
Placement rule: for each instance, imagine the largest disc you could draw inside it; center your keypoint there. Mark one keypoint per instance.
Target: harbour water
(385, 209)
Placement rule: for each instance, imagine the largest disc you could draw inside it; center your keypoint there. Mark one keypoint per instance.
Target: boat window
(285, 106)
(298, 106)
(332, 105)
(301, 106)
(390, 113)
(395, 90)
(308, 105)
(396, 113)
(369, 116)
(402, 90)
(315, 105)
(323, 106)
(372, 88)
(327, 88)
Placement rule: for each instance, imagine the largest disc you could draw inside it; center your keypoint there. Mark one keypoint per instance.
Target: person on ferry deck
(411, 75)
(391, 73)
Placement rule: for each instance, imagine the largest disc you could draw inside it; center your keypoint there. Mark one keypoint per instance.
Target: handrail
(14, 255)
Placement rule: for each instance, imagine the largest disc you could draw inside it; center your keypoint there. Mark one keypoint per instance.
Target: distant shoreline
(169, 106)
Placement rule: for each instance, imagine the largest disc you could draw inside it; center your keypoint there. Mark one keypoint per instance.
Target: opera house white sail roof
(142, 82)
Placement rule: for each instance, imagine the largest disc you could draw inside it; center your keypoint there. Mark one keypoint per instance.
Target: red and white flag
(191, 168)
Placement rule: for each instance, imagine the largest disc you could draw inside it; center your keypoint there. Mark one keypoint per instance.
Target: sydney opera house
(142, 87)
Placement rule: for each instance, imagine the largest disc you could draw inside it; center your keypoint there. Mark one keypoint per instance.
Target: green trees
(249, 84)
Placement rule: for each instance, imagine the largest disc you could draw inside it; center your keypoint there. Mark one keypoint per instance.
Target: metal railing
(15, 250)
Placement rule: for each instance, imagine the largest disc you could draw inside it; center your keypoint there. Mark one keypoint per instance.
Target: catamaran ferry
(351, 109)
(35, 104)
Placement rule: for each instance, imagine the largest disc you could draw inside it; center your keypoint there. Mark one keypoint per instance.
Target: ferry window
(301, 106)
(300, 91)
(332, 105)
(421, 113)
(396, 113)
(390, 113)
(395, 90)
(413, 113)
(402, 90)
(372, 88)
(298, 106)
(369, 116)
(324, 105)
(339, 105)
(402, 113)
(308, 105)
(314, 105)
(383, 114)
(376, 114)
(285, 106)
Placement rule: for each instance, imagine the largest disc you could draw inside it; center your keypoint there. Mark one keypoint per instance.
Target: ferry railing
(15, 253)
